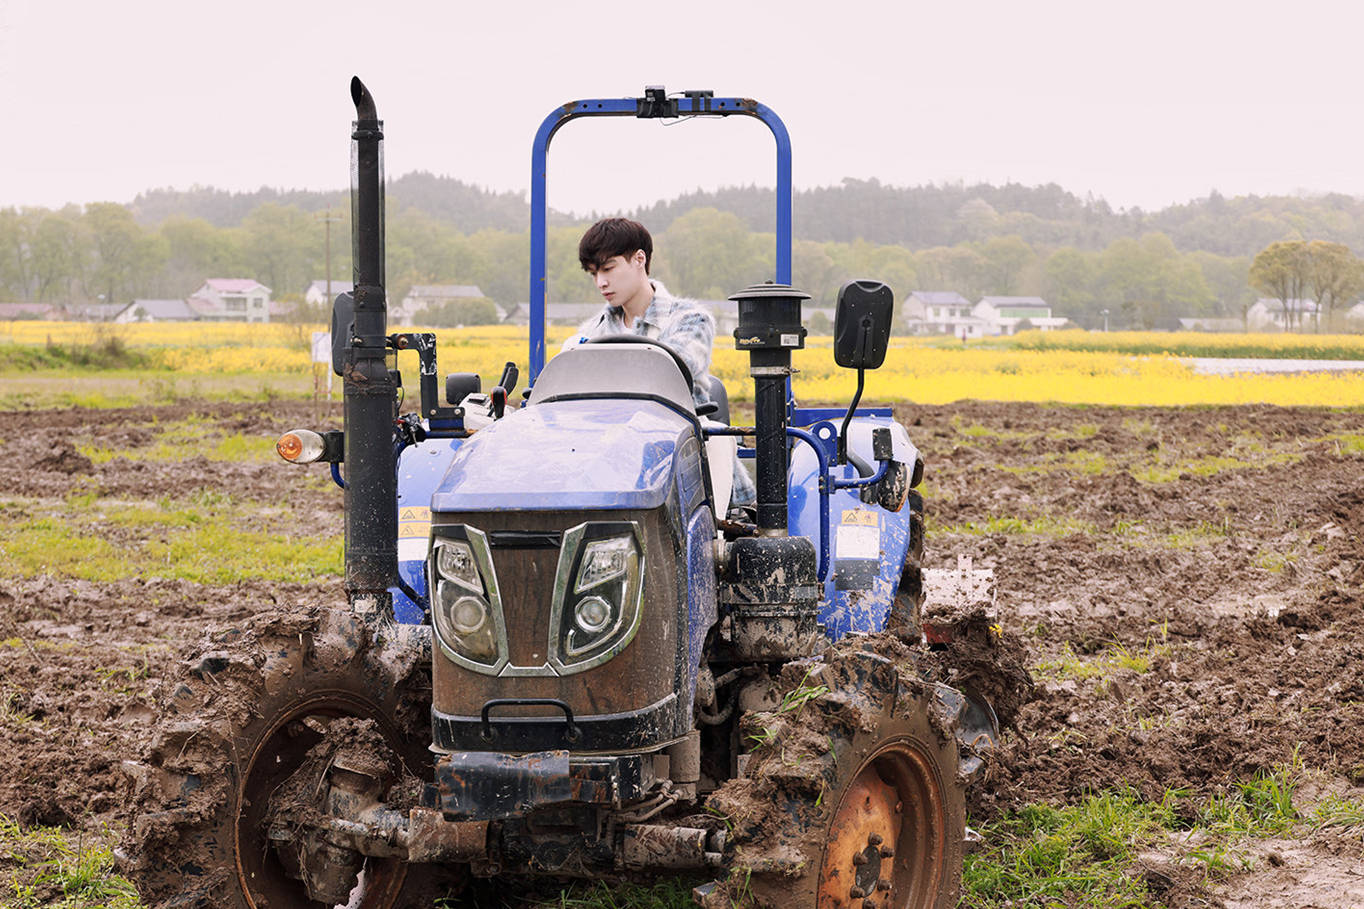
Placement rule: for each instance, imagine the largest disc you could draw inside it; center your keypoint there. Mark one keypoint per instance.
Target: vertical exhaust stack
(370, 396)
(770, 586)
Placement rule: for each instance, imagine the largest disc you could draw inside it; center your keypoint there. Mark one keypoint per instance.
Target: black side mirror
(459, 385)
(862, 324)
(343, 326)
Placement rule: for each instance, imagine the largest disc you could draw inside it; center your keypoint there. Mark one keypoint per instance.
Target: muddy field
(1188, 586)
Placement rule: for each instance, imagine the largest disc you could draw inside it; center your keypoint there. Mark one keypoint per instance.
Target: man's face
(621, 279)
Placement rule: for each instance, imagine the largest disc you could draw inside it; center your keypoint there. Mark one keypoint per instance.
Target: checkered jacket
(687, 328)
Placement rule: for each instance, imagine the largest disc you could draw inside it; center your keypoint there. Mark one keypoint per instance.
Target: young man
(617, 253)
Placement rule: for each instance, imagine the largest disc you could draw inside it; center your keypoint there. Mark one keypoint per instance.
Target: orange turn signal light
(301, 446)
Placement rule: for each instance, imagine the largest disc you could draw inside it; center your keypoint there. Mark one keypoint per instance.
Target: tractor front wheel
(237, 726)
(851, 799)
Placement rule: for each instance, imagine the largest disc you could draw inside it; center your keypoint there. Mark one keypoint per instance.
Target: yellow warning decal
(414, 522)
(860, 517)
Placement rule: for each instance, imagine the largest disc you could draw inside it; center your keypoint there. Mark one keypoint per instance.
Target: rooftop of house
(940, 298)
(445, 290)
(235, 285)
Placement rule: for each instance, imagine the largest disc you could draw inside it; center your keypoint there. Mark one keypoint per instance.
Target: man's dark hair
(611, 237)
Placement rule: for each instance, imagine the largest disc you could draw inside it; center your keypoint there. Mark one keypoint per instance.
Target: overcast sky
(1143, 103)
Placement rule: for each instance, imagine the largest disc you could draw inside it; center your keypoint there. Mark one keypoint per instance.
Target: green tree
(1006, 258)
(124, 255)
(710, 254)
(283, 247)
(1336, 276)
(1069, 279)
(58, 252)
(1281, 271)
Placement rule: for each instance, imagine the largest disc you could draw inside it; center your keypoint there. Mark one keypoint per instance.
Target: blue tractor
(563, 653)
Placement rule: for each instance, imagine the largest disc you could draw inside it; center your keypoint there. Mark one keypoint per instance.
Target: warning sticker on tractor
(860, 517)
(414, 522)
(857, 542)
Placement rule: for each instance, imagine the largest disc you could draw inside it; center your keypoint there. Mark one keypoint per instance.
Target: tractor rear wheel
(236, 727)
(867, 810)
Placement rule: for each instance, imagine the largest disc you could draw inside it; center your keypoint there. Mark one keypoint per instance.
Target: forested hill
(460, 205)
(1043, 216)
(917, 217)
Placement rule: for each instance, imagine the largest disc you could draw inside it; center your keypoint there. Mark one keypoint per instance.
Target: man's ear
(638, 258)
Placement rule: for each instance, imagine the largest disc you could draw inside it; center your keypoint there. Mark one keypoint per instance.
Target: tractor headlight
(597, 592)
(468, 607)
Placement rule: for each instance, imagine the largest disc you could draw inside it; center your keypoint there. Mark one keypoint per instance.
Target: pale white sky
(1143, 103)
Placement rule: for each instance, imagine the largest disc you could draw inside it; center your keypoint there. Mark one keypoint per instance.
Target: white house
(942, 312)
(1267, 314)
(235, 299)
(1354, 317)
(423, 296)
(316, 294)
(1004, 315)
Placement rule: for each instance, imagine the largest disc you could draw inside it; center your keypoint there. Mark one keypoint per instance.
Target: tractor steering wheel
(627, 338)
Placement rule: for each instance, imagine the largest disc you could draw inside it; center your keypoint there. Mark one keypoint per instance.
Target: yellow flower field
(916, 370)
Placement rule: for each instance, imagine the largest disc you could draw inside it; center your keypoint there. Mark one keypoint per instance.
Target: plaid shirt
(687, 328)
(680, 323)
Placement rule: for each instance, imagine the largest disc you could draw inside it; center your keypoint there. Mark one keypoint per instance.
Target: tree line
(1140, 275)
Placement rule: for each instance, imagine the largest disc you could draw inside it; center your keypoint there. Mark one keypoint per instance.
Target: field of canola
(1146, 368)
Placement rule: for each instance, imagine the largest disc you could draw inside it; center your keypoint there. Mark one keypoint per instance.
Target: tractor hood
(572, 454)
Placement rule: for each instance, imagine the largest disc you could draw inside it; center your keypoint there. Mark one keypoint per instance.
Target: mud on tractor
(563, 654)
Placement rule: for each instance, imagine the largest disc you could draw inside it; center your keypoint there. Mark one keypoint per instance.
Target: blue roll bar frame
(693, 104)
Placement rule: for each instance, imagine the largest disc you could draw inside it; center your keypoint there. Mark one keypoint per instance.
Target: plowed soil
(1222, 546)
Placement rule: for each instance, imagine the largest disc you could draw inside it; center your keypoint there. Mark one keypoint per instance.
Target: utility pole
(328, 219)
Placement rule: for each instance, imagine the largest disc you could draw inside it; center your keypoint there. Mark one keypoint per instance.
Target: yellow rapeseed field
(916, 370)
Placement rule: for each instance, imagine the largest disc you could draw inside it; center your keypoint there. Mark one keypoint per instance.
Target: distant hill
(914, 216)
(461, 205)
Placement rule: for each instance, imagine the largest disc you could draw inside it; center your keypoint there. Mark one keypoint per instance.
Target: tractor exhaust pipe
(370, 393)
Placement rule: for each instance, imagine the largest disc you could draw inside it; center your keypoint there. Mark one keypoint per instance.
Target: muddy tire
(854, 800)
(249, 707)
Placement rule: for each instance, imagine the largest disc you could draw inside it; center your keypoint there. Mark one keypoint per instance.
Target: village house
(234, 300)
(316, 293)
(1354, 317)
(1007, 315)
(424, 296)
(942, 312)
(1268, 314)
(164, 311)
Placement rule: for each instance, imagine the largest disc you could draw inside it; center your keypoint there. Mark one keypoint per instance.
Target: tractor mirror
(459, 385)
(862, 324)
(343, 324)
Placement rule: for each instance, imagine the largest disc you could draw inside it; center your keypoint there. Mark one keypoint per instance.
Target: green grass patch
(25, 389)
(1085, 854)
(1074, 855)
(58, 868)
(1346, 443)
(1114, 656)
(1042, 527)
(1204, 533)
(106, 351)
(205, 544)
(1211, 465)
